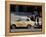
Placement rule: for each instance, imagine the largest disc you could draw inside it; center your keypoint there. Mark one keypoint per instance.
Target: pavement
(25, 30)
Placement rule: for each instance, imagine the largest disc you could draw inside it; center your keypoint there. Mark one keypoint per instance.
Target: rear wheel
(13, 26)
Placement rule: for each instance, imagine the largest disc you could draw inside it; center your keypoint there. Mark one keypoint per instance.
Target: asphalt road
(25, 30)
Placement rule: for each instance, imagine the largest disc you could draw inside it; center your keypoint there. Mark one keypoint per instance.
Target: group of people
(37, 19)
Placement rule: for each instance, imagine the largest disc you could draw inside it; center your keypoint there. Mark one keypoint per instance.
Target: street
(25, 30)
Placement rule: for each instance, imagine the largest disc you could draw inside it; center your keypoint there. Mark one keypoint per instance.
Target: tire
(29, 26)
(13, 25)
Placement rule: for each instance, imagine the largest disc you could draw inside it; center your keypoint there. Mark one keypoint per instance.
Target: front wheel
(29, 26)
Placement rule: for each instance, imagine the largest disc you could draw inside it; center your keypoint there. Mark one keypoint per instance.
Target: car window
(18, 19)
(22, 20)
(27, 19)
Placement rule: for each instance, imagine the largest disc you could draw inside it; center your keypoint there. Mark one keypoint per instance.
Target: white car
(23, 22)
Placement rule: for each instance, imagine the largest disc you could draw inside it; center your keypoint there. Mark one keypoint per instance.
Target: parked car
(23, 22)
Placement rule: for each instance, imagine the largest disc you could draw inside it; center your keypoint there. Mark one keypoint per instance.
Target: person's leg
(32, 28)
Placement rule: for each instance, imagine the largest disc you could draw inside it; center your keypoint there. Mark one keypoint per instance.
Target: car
(23, 22)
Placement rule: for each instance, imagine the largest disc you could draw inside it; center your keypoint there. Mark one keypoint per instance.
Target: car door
(20, 23)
